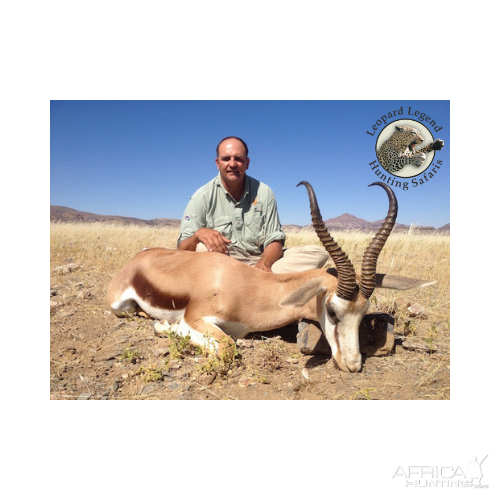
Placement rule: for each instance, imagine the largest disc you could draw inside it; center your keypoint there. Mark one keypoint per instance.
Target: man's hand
(271, 254)
(212, 239)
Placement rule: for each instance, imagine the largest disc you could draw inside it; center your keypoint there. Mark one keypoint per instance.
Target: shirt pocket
(254, 223)
(223, 224)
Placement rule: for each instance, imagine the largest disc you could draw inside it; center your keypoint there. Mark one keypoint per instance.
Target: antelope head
(342, 307)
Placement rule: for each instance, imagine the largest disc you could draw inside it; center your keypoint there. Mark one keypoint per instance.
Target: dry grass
(83, 323)
(104, 246)
(107, 247)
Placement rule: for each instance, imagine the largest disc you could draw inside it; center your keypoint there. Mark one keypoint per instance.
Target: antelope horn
(369, 264)
(345, 270)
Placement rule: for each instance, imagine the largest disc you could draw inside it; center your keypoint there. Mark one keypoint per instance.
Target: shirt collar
(246, 189)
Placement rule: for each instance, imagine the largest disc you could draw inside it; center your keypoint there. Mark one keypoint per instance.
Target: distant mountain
(65, 214)
(341, 223)
(347, 221)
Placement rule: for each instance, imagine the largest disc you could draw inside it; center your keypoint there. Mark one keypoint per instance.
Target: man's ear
(302, 295)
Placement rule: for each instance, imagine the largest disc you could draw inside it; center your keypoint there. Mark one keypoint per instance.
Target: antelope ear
(303, 294)
(399, 282)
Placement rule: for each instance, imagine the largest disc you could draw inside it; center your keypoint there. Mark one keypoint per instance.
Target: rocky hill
(65, 214)
(350, 222)
(341, 223)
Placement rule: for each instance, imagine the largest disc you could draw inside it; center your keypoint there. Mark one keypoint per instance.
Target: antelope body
(216, 299)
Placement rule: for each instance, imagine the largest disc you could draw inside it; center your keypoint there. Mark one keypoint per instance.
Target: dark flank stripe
(148, 292)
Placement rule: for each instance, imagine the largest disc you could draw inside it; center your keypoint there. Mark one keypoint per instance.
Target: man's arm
(274, 237)
(271, 254)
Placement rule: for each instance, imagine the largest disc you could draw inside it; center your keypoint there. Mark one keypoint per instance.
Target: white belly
(129, 299)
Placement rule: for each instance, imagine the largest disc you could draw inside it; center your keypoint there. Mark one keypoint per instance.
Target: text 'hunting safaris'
(405, 147)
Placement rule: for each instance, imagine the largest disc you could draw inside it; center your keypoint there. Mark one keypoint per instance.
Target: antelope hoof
(376, 334)
(161, 328)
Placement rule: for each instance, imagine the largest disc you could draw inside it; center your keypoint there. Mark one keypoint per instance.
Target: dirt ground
(95, 355)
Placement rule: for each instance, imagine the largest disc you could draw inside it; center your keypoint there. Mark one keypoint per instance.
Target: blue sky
(146, 158)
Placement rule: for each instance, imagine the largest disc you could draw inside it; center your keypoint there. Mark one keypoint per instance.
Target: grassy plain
(99, 250)
(108, 246)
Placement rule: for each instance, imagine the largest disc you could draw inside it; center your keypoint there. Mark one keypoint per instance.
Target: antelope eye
(331, 313)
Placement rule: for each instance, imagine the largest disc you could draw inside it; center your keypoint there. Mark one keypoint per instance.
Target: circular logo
(401, 141)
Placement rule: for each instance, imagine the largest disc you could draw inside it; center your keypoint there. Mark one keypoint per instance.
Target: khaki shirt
(251, 223)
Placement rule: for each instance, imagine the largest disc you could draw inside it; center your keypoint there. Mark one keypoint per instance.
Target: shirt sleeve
(272, 225)
(194, 218)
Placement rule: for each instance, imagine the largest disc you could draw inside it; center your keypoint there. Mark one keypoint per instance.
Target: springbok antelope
(216, 299)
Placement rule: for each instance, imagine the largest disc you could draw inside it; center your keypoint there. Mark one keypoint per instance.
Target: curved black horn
(345, 270)
(369, 264)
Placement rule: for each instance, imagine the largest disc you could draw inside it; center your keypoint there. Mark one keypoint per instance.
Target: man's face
(232, 161)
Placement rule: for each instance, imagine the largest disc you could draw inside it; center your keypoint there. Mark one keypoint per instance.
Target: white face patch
(342, 332)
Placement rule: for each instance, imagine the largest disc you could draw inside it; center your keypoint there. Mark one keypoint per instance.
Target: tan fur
(212, 284)
(219, 297)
